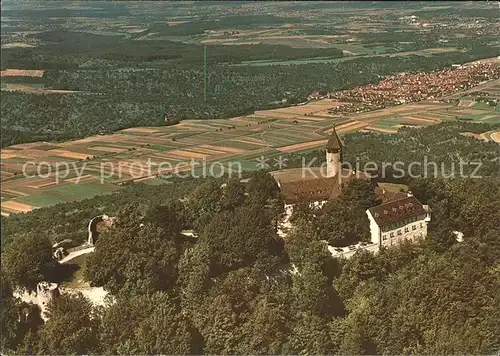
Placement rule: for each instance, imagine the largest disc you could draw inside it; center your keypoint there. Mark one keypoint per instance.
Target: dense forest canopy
(133, 64)
(117, 98)
(196, 266)
(231, 289)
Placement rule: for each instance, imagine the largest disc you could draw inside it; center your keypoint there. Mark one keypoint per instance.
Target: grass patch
(386, 124)
(77, 280)
(14, 160)
(82, 191)
(393, 187)
(297, 133)
(492, 120)
(161, 147)
(483, 106)
(278, 141)
(240, 145)
(246, 165)
(41, 200)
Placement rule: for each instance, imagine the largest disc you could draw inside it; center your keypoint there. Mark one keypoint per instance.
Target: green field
(484, 106)
(379, 52)
(386, 124)
(276, 141)
(241, 145)
(478, 117)
(41, 200)
(493, 120)
(70, 192)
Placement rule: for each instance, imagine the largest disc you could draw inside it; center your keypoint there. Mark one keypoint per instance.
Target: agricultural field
(115, 65)
(101, 164)
(381, 52)
(21, 73)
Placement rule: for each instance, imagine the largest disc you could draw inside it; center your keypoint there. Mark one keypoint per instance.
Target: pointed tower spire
(333, 154)
(334, 144)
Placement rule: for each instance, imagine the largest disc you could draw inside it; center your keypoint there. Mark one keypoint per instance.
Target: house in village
(400, 216)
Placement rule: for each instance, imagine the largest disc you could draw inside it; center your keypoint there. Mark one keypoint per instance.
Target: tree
(262, 187)
(267, 327)
(302, 213)
(360, 192)
(361, 267)
(304, 247)
(342, 223)
(233, 194)
(245, 312)
(358, 330)
(169, 216)
(313, 292)
(27, 260)
(140, 258)
(195, 282)
(234, 245)
(221, 328)
(203, 203)
(440, 241)
(9, 316)
(147, 324)
(310, 334)
(72, 327)
(19, 320)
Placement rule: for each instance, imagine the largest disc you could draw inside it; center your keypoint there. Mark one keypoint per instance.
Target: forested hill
(234, 286)
(442, 144)
(133, 64)
(114, 98)
(68, 49)
(231, 290)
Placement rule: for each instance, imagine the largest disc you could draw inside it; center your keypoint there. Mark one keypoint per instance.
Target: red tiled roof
(317, 189)
(395, 210)
(309, 190)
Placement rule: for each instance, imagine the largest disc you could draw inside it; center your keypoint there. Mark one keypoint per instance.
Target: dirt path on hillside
(75, 254)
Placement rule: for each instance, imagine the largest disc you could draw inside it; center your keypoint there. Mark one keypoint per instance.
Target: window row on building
(400, 223)
(400, 231)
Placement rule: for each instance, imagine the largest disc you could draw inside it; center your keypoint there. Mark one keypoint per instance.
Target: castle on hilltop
(400, 216)
(317, 184)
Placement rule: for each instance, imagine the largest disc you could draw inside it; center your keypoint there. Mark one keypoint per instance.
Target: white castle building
(400, 217)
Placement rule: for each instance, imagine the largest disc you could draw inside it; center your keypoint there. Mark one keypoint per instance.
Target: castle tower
(333, 154)
(45, 292)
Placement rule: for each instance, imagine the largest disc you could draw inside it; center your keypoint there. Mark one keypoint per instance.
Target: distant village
(405, 88)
